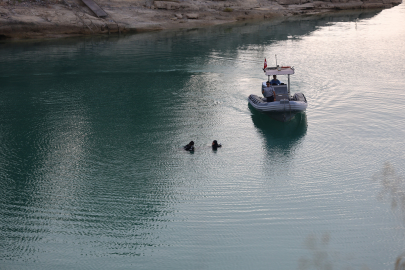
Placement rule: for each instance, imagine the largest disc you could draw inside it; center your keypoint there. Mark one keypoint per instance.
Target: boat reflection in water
(284, 136)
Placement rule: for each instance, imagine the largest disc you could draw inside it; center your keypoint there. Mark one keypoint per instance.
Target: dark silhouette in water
(215, 145)
(190, 146)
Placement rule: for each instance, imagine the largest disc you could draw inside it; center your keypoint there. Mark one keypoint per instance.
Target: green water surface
(93, 174)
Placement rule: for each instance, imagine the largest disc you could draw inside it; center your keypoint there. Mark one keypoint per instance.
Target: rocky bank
(23, 19)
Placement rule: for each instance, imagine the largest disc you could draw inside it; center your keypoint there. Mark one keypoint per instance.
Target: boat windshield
(280, 89)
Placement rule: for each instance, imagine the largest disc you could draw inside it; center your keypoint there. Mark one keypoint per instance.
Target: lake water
(93, 174)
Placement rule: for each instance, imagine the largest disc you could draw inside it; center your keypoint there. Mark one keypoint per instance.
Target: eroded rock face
(58, 18)
(192, 16)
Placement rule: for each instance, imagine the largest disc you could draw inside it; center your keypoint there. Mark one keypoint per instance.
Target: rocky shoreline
(27, 19)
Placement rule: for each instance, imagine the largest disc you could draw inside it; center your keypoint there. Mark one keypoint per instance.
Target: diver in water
(215, 145)
(189, 147)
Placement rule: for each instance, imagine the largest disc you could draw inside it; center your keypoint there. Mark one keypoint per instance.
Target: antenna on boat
(276, 59)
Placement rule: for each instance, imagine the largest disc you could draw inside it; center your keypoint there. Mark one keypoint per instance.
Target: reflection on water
(320, 257)
(400, 262)
(280, 141)
(393, 187)
(283, 135)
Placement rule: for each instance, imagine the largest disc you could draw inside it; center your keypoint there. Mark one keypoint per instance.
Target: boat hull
(283, 110)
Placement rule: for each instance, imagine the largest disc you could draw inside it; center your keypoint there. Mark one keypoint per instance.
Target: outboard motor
(299, 97)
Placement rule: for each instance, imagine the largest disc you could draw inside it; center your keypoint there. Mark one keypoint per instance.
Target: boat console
(281, 92)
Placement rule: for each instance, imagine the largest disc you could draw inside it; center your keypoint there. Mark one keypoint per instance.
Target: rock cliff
(21, 19)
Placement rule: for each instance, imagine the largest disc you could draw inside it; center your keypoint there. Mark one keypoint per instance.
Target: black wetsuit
(189, 147)
(215, 146)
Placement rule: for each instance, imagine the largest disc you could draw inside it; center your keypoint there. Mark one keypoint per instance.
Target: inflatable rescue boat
(285, 106)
